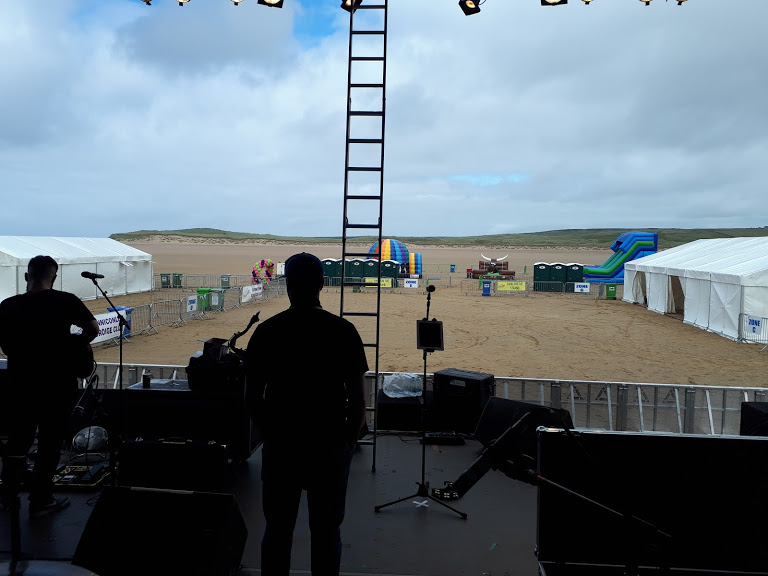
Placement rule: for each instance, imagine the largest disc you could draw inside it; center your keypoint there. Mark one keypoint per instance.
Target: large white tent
(126, 270)
(720, 285)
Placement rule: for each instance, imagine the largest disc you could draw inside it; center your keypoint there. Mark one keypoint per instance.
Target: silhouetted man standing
(36, 335)
(306, 370)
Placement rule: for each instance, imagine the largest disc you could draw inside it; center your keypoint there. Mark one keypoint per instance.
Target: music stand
(429, 338)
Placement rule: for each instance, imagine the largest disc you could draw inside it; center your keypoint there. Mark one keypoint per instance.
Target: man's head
(41, 273)
(303, 275)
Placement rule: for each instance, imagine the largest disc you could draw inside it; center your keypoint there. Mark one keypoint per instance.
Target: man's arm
(90, 330)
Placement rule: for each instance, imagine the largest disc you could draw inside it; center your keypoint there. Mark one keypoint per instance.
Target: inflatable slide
(628, 246)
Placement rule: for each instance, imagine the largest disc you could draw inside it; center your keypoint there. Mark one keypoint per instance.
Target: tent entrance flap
(678, 295)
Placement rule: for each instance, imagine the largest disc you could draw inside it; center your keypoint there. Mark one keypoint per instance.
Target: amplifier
(459, 398)
(173, 464)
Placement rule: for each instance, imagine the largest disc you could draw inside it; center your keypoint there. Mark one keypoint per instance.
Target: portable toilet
(541, 276)
(558, 273)
(371, 270)
(354, 268)
(574, 274)
(331, 271)
(390, 269)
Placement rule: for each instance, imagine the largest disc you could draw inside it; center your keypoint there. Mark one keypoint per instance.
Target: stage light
(236, 2)
(147, 2)
(469, 7)
(680, 2)
(587, 2)
(182, 2)
(351, 5)
(554, 2)
(271, 3)
(647, 2)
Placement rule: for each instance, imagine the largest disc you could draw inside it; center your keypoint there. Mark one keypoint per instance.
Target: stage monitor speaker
(174, 464)
(754, 419)
(402, 414)
(501, 413)
(459, 399)
(159, 532)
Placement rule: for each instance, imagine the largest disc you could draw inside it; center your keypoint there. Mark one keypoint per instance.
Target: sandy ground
(546, 336)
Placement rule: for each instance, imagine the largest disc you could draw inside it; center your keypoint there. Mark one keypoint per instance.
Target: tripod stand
(429, 337)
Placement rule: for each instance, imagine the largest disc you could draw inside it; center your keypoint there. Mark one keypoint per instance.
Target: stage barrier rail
(619, 406)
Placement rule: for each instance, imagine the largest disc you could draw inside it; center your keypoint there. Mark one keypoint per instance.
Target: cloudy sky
(117, 116)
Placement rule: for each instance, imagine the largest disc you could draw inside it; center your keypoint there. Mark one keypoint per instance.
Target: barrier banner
(109, 327)
(411, 283)
(385, 282)
(510, 286)
(191, 303)
(755, 325)
(252, 292)
(581, 287)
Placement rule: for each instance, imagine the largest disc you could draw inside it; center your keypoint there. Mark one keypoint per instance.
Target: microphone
(91, 275)
(431, 288)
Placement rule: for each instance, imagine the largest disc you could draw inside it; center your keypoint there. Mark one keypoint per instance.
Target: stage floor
(415, 537)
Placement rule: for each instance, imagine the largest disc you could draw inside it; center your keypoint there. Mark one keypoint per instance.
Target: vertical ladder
(364, 174)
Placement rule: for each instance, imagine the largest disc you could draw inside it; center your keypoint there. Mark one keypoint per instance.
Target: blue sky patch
(484, 180)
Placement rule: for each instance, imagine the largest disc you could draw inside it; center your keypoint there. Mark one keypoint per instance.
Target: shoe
(52, 505)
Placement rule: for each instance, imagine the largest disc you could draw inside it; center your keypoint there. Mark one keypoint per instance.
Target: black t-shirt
(35, 334)
(303, 359)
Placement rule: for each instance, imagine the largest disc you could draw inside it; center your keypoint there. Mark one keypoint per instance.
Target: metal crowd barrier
(753, 329)
(474, 287)
(621, 406)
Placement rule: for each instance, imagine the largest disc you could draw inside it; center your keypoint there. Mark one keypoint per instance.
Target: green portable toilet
(165, 280)
(610, 291)
(331, 271)
(390, 269)
(354, 268)
(225, 280)
(216, 299)
(558, 274)
(541, 276)
(176, 280)
(202, 299)
(371, 269)
(574, 274)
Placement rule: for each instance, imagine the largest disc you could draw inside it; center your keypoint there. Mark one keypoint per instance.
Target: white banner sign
(581, 287)
(754, 325)
(252, 292)
(410, 283)
(109, 327)
(191, 303)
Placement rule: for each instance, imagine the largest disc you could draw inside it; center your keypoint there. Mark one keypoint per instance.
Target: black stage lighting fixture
(271, 3)
(351, 5)
(553, 2)
(469, 7)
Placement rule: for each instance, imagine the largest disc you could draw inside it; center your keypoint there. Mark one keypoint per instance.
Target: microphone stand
(423, 490)
(122, 323)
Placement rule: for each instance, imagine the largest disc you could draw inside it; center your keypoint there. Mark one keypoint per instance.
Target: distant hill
(588, 238)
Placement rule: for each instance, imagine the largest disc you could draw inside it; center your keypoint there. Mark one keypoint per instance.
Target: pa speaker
(459, 399)
(159, 532)
(501, 413)
(754, 419)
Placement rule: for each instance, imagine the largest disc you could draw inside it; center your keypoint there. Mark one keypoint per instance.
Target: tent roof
(16, 250)
(741, 261)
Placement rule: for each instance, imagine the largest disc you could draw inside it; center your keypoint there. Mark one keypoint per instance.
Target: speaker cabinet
(754, 419)
(500, 413)
(459, 399)
(159, 532)
(174, 465)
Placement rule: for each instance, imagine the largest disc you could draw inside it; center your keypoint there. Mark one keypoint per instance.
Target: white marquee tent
(125, 269)
(720, 285)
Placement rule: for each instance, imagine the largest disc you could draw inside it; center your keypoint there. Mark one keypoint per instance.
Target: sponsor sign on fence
(191, 303)
(582, 287)
(509, 286)
(109, 327)
(411, 282)
(385, 282)
(252, 292)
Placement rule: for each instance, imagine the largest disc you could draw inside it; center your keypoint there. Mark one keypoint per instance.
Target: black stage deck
(413, 537)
